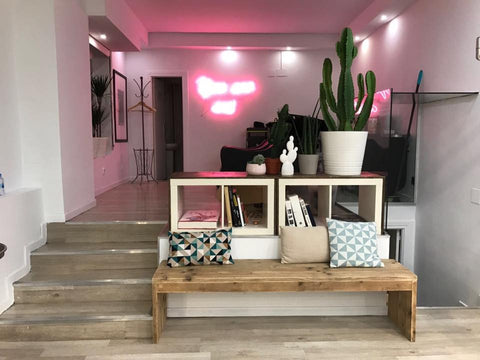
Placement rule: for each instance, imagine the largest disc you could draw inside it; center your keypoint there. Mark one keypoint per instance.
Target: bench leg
(402, 310)
(159, 314)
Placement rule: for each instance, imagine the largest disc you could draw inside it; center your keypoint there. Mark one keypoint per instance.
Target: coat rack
(143, 157)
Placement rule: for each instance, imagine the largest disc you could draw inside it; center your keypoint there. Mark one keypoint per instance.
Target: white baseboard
(81, 209)
(111, 186)
(23, 270)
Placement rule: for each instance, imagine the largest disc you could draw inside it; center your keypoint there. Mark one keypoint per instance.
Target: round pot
(308, 163)
(273, 166)
(256, 169)
(343, 151)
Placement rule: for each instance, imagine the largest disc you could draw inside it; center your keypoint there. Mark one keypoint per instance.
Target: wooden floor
(441, 334)
(130, 202)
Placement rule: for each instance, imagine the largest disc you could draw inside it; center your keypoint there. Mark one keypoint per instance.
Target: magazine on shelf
(297, 210)
(199, 219)
(308, 222)
(289, 213)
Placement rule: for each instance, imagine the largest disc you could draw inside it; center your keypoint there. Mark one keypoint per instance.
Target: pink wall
(439, 37)
(112, 169)
(205, 134)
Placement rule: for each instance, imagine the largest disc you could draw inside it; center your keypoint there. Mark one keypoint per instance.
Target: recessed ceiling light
(229, 48)
(103, 36)
(357, 38)
(384, 17)
(289, 48)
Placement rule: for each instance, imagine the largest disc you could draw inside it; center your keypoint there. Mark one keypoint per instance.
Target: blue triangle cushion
(200, 248)
(353, 244)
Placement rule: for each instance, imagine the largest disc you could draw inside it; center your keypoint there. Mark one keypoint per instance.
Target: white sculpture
(288, 159)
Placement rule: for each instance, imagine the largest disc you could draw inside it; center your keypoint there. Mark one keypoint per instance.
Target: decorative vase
(308, 163)
(273, 165)
(256, 169)
(343, 152)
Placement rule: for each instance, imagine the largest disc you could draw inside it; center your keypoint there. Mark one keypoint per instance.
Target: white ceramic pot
(343, 151)
(256, 169)
(308, 163)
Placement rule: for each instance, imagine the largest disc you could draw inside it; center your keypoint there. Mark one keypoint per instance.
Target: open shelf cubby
(319, 193)
(205, 191)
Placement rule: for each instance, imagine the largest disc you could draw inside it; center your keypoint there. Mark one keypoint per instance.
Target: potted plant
(278, 137)
(257, 166)
(308, 144)
(344, 144)
(99, 86)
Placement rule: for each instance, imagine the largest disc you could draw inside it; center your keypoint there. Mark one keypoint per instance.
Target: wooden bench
(272, 276)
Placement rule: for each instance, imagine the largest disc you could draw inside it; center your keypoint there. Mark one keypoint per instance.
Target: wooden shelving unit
(204, 190)
(189, 191)
(370, 198)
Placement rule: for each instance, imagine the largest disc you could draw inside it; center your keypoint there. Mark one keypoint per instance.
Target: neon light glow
(206, 87)
(242, 88)
(379, 98)
(221, 107)
(229, 56)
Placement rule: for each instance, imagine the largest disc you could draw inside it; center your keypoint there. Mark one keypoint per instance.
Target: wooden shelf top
(243, 175)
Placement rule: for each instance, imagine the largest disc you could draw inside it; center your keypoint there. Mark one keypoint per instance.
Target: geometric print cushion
(353, 244)
(200, 248)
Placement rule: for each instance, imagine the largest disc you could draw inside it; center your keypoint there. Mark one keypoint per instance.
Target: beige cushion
(304, 244)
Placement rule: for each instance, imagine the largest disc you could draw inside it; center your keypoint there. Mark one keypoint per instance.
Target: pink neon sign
(378, 98)
(208, 88)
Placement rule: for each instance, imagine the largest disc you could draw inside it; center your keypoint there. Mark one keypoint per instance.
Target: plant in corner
(344, 144)
(99, 86)
(278, 137)
(308, 143)
(256, 166)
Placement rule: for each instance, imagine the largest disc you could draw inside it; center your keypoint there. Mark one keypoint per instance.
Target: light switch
(475, 196)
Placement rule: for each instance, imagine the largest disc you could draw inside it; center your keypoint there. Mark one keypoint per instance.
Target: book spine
(310, 214)
(305, 212)
(242, 221)
(289, 213)
(234, 206)
(228, 210)
(297, 211)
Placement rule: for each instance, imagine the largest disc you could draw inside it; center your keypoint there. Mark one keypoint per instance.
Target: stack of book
(298, 213)
(236, 211)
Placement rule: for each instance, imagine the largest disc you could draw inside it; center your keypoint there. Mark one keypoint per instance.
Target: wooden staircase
(90, 281)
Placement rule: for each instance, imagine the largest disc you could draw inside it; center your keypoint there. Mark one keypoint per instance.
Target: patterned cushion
(200, 248)
(353, 244)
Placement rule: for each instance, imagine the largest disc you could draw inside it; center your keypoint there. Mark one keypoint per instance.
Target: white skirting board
(273, 304)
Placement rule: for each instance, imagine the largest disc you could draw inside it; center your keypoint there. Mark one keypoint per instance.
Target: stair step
(79, 328)
(96, 232)
(41, 313)
(60, 247)
(85, 291)
(77, 261)
(128, 275)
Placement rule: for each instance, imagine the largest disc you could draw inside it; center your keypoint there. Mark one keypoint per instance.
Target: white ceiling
(247, 16)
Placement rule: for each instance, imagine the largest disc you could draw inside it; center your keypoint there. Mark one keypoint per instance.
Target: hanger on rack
(139, 105)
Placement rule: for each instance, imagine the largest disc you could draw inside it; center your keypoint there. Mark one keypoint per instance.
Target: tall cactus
(344, 108)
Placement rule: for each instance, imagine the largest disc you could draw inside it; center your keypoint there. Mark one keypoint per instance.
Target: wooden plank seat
(272, 276)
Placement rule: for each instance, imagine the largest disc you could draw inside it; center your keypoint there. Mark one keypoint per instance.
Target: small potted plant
(278, 137)
(308, 156)
(257, 166)
(344, 143)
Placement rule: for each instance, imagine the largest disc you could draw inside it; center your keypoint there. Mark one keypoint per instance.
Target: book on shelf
(233, 207)
(228, 209)
(242, 220)
(199, 219)
(297, 210)
(308, 222)
(310, 214)
(289, 213)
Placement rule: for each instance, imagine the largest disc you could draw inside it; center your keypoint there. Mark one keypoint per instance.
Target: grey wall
(439, 37)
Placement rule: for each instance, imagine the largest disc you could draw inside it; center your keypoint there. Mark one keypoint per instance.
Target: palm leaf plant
(99, 87)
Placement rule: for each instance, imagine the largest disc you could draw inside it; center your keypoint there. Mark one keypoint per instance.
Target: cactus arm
(345, 96)
(367, 106)
(324, 108)
(361, 91)
(327, 81)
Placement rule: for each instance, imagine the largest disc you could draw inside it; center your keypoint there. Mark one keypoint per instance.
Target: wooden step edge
(75, 319)
(68, 284)
(94, 252)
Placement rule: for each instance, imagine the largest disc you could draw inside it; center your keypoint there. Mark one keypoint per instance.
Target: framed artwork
(120, 106)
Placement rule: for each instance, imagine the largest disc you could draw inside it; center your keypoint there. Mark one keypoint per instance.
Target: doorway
(168, 126)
